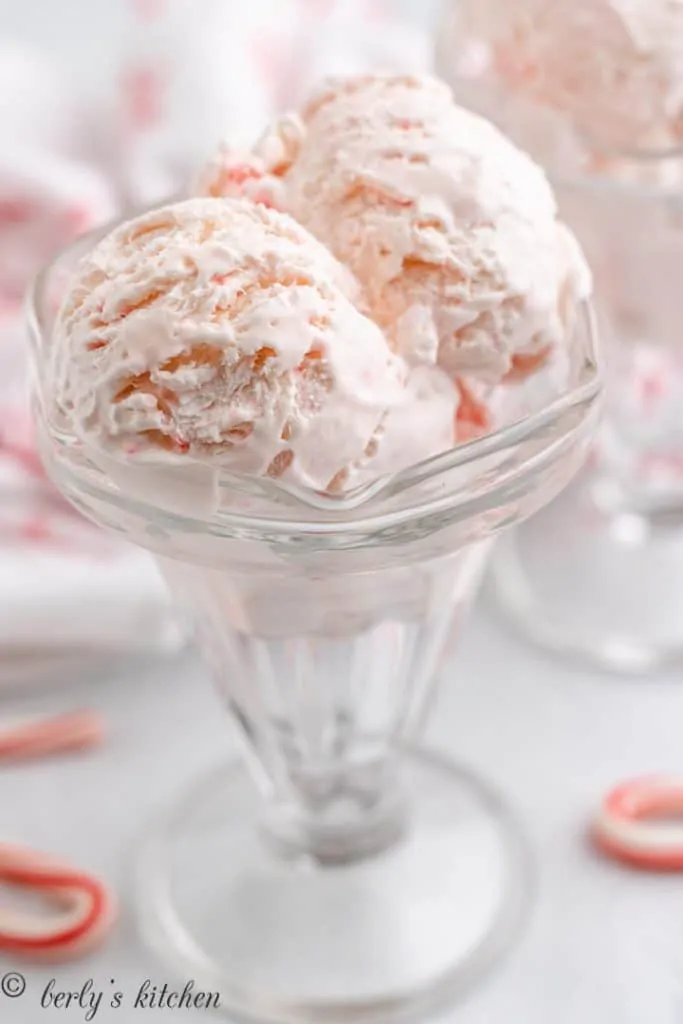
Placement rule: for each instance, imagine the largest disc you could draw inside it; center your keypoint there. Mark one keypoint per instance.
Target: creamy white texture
(221, 333)
(612, 68)
(449, 228)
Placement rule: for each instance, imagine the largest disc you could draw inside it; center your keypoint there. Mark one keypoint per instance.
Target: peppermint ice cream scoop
(613, 69)
(216, 331)
(451, 231)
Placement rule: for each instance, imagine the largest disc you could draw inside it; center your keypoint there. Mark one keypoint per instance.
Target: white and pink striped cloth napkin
(191, 73)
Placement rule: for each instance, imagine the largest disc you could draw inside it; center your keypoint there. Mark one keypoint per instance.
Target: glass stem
(336, 813)
(329, 776)
(327, 681)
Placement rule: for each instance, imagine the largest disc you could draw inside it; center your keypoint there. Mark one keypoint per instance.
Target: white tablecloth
(604, 944)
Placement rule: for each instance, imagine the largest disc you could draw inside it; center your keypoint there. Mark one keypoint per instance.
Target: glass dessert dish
(598, 574)
(340, 872)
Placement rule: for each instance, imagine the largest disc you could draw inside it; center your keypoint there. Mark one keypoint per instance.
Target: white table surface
(603, 946)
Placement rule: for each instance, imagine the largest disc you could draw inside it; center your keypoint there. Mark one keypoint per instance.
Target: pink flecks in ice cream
(231, 174)
(451, 230)
(256, 176)
(220, 332)
(473, 418)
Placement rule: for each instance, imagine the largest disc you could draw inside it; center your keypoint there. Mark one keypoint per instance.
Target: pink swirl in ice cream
(450, 229)
(216, 331)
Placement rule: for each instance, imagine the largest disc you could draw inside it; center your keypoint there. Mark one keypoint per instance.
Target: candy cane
(87, 915)
(55, 735)
(623, 832)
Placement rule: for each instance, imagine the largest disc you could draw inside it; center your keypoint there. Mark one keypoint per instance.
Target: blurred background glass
(599, 574)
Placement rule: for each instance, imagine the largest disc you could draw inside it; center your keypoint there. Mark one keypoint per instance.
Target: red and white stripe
(44, 737)
(630, 826)
(84, 907)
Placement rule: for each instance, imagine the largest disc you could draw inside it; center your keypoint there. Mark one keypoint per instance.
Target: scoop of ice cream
(612, 68)
(449, 228)
(217, 331)
(231, 174)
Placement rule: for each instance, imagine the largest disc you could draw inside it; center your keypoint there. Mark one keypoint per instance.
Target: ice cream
(216, 331)
(449, 228)
(337, 306)
(612, 68)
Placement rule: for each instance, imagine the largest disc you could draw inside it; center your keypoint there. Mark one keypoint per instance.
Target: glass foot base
(604, 586)
(289, 941)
